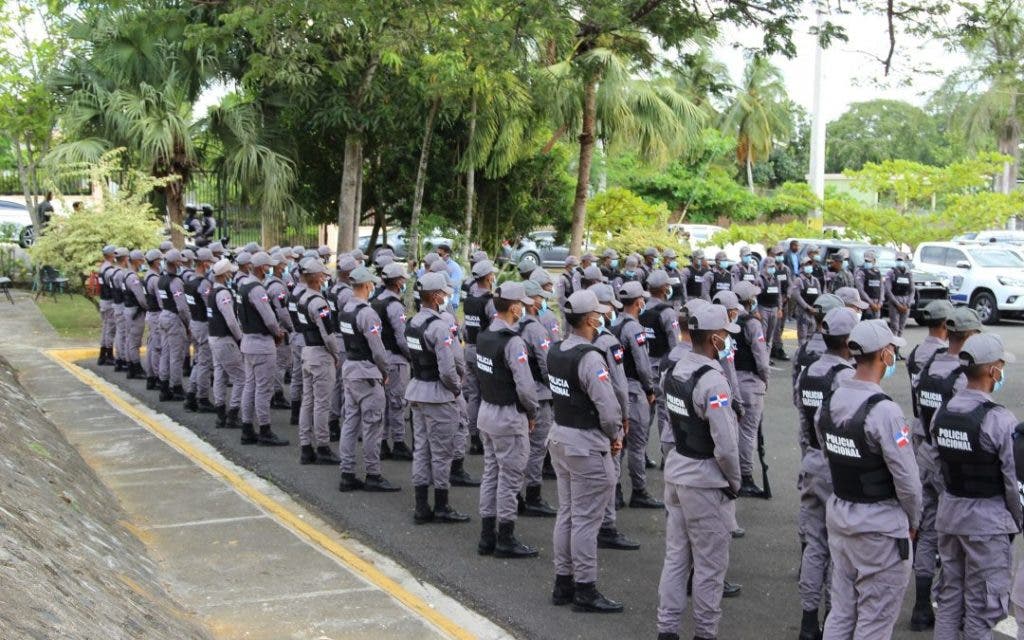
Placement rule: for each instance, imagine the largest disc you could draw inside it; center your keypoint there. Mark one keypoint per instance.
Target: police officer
(815, 345)
(609, 263)
(319, 357)
(817, 271)
(770, 303)
(278, 293)
(478, 309)
(746, 270)
(337, 297)
(642, 386)
(567, 279)
(899, 294)
(677, 294)
(117, 287)
(630, 273)
(225, 336)
(389, 306)
(435, 385)
(805, 290)
(751, 361)
(718, 278)
(668, 363)
(174, 321)
(296, 342)
(980, 510)
(244, 262)
(693, 276)
(107, 307)
(588, 418)
(197, 290)
(868, 279)
(649, 264)
(876, 506)
(134, 312)
(818, 380)
(260, 335)
(154, 341)
(838, 274)
(702, 477)
(784, 274)
(661, 323)
(851, 300)
(545, 314)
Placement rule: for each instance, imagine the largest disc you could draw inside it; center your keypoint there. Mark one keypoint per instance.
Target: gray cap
(937, 310)
(109, 249)
(983, 348)
(744, 251)
(869, 254)
(324, 251)
(610, 253)
(312, 266)
(657, 278)
(383, 259)
(839, 322)
(253, 248)
(298, 251)
(166, 246)
(261, 259)
(483, 268)
(223, 266)
(135, 254)
(541, 277)
(476, 256)
(121, 252)
(572, 261)
(276, 258)
(588, 256)
(585, 302)
(746, 291)
(851, 297)
(902, 255)
(431, 258)
(963, 319)
(697, 253)
(669, 253)
(779, 248)
(650, 252)
(870, 336)
(593, 272)
(632, 291)
(439, 266)
(216, 247)
(362, 275)
(307, 263)
(513, 291)
(812, 248)
(347, 263)
(712, 318)
(394, 270)
(244, 257)
(841, 254)
(204, 255)
(827, 302)
(274, 249)
(526, 265)
(153, 255)
(605, 294)
(806, 259)
(727, 299)
(172, 257)
(434, 282)
(721, 256)
(692, 306)
(358, 254)
(188, 254)
(631, 261)
(534, 289)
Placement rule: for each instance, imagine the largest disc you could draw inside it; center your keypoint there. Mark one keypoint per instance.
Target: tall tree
(758, 115)
(880, 130)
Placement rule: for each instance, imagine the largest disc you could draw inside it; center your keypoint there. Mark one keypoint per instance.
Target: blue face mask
(779, 259)
(900, 264)
(808, 269)
(673, 264)
(999, 383)
(869, 264)
(723, 264)
(844, 265)
(726, 349)
(753, 306)
(890, 370)
(600, 325)
(615, 317)
(746, 259)
(615, 263)
(771, 271)
(543, 306)
(629, 274)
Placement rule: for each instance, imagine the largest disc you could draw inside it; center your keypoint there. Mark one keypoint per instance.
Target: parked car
(16, 224)
(540, 247)
(1008, 236)
(989, 278)
(396, 241)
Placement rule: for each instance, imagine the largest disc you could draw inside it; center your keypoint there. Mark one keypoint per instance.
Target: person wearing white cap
(693, 276)
(174, 320)
(389, 306)
(750, 358)
(337, 297)
(588, 420)
(278, 292)
(876, 505)
(702, 477)
(718, 278)
(661, 323)
(804, 290)
(433, 389)
(478, 309)
(134, 314)
(108, 329)
(197, 290)
(154, 342)
(868, 280)
(899, 294)
(980, 509)
(225, 336)
(816, 381)
(260, 334)
(117, 288)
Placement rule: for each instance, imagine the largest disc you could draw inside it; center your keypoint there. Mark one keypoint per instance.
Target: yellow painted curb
(789, 334)
(67, 358)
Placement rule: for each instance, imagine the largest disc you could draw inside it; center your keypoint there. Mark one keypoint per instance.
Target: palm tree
(759, 114)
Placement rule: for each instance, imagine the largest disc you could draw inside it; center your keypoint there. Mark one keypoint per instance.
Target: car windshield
(998, 259)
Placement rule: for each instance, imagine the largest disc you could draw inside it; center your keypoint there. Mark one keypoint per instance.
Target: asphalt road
(516, 594)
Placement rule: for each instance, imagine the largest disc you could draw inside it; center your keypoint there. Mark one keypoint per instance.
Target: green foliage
(880, 130)
(636, 239)
(617, 209)
(792, 199)
(766, 234)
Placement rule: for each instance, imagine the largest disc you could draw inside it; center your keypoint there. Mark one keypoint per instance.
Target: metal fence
(10, 183)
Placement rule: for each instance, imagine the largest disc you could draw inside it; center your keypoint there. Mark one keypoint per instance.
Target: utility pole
(816, 176)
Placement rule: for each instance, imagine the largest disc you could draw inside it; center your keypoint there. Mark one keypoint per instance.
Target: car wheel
(532, 257)
(985, 304)
(27, 237)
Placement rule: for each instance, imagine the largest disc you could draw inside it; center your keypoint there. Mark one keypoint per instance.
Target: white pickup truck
(989, 278)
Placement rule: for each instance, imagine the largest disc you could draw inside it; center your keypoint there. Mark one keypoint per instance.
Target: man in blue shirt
(454, 272)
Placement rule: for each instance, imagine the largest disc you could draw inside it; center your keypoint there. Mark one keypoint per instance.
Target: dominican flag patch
(262, 298)
(718, 401)
(641, 338)
(375, 329)
(617, 353)
(602, 375)
(454, 328)
(760, 338)
(326, 311)
(902, 436)
(522, 357)
(448, 341)
(544, 344)
(402, 317)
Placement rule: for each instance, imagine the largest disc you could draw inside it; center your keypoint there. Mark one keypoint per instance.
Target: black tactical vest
(166, 295)
(474, 311)
(572, 406)
(744, 351)
(692, 434)
(657, 339)
(872, 283)
(858, 474)
(933, 393)
(497, 386)
(130, 301)
(105, 293)
(968, 471)
(293, 310)
(357, 347)
(196, 303)
(901, 283)
(1018, 457)
(310, 333)
(534, 365)
(628, 363)
(810, 291)
(678, 286)
(387, 334)
(218, 326)
(722, 282)
(695, 282)
(423, 361)
(117, 290)
(248, 316)
(152, 299)
(771, 294)
(813, 392)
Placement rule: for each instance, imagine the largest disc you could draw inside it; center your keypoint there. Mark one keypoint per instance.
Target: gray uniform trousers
(318, 380)
(815, 486)
(172, 351)
(610, 513)
(120, 333)
(659, 414)
(135, 325)
(1017, 598)
(471, 389)
(394, 392)
(586, 482)
(753, 389)
(927, 545)
(697, 536)
(539, 443)
(284, 363)
(639, 433)
(364, 415)
(504, 462)
(771, 321)
(295, 344)
(338, 399)
(199, 379)
(434, 426)
(460, 439)
(805, 326)
(259, 386)
(227, 367)
(897, 320)
(154, 343)
(974, 585)
(868, 583)
(109, 327)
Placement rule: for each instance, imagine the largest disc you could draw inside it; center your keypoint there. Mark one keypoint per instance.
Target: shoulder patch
(544, 344)
(522, 357)
(718, 401)
(902, 436)
(602, 375)
(641, 338)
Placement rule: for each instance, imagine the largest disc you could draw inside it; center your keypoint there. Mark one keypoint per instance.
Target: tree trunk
(357, 219)
(750, 173)
(26, 186)
(1009, 144)
(271, 227)
(175, 210)
(377, 220)
(349, 193)
(467, 226)
(413, 248)
(579, 205)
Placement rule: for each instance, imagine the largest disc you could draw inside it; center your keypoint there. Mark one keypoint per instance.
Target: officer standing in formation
(899, 294)
(868, 279)
(225, 337)
(751, 362)
(805, 290)
(134, 314)
(838, 274)
(154, 342)
(478, 309)
(174, 322)
(197, 290)
(718, 278)
(391, 308)
(117, 287)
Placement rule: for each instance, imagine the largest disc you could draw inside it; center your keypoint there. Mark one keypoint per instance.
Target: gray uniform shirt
(317, 309)
(439, 340)
(896, 276)
(607, 342)
(226, 303)
(261, 343)
(862, 281)
(599, 389)
(669, 318)
(753, 331)
(396, 319)
(634, 340)
(707, 288)
(518, 363)
(804, 284)
(368, 324)
(277, 291)
(538, 341)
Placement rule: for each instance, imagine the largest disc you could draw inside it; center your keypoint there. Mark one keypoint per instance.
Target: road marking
(365, 569)
(201, 523)
(288, 597)
(112, 430)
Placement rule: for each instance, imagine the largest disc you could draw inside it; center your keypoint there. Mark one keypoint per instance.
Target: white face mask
(445, 302)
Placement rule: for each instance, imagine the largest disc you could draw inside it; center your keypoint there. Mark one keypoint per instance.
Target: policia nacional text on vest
(357, 347)
(497, 386)
(423, 362)
(475, 313)
(572, 406)
(967, 470)
(858, 474)
(813, 391)
(692, 434)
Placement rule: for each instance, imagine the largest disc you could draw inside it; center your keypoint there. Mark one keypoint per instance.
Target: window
(954, 256)
(933, 255)
(1003, 259)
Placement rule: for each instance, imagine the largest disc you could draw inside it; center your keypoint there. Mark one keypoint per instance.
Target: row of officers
(876, 493)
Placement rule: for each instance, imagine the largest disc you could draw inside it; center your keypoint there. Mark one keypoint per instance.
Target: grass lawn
(73, 317)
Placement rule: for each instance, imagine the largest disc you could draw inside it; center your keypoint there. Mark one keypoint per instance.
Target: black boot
(748, 489)
(268, 438)
(640, 499)
(190, 402)
(119, 365)
(520, 504)
(308, 456)
(249, 434)
(649, 463)
(349, 482)
(508, 546)
(923, 616)
(666, 635)
(620, 501)
(177, 392)
(610, 538)
(233, 422)
(102, 359)
(587, 598)
(476, 447)
(296, 407)
(423, 513)
(548, 471)
(334, 429)
(277, 401)
(731, 589)
(443, 512)
(535, 505)
(287, 376)
(135, 371)
(379, 484)
(222, 417)
(203, 406)
(778, 353)
(564, 590)
(459, 477)
(152, 383)
(165, 391)
(385, 450)
(401, 452)
(809, 628)
(488, 536)
(325, 456)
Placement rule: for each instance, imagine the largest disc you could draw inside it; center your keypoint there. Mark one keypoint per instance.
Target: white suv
(989, 278)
